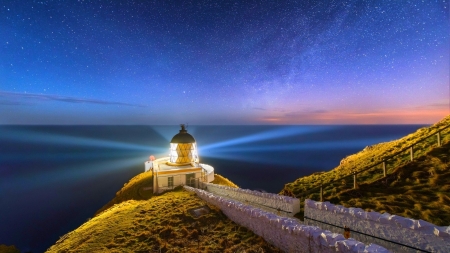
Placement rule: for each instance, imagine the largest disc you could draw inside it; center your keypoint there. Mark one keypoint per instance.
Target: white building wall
(288, 234)
(210, 177)
(416, 233)
(160, 182)
(148, 166)
(177, 180)
(209, 170)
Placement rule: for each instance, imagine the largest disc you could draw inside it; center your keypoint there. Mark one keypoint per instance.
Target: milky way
(214, 62)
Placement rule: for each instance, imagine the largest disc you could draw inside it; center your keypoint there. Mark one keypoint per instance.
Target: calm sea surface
(54, 178)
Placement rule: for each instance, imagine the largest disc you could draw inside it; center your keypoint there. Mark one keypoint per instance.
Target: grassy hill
(137, 221)
(418, 190)
(159, 224)
(218, 179)
(8, 249)
(415, 189)
(140, 188)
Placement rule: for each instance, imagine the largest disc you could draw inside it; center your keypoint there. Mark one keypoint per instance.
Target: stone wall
(288, 234)
(417, 233)
(268, 201)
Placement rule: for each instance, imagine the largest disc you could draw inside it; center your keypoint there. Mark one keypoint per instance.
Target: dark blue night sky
(220, 62)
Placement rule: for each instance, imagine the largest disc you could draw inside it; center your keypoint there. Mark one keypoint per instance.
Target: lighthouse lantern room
(182, 167)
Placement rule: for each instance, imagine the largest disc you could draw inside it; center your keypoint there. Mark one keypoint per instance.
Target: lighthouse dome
(183, 137)
(183, 149)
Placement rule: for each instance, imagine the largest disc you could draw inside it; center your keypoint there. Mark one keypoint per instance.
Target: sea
(54, 178)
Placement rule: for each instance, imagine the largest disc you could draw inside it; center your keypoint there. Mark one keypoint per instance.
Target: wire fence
(364, 237)
(396, 159)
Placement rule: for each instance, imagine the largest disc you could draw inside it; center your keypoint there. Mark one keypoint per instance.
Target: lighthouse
(181, 167)
(183, 149)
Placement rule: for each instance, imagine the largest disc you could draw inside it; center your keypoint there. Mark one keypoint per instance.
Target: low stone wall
(288, 234)
(267, 201)
(417, 233)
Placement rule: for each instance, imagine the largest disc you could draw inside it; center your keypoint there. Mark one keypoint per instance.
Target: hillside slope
(418, 190)
(415, 189)
(8, 249)
(160, 224)
(138, 188)
(137, 221)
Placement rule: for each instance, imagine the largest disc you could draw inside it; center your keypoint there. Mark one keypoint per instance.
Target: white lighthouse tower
(182, 167)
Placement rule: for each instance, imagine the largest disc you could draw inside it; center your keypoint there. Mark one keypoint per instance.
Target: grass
(8, 249)
(218, 179)
(138, 188)
(415, 189)
(138, 221)
(161, 224)
(418, 190)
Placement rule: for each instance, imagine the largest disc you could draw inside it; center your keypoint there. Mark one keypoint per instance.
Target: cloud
(306, 112)
(382, 116)
(271, 109)
(12, 98)
(435, 105)
(9, 102)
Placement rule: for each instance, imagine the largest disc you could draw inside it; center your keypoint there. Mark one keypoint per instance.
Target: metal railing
(438, 133)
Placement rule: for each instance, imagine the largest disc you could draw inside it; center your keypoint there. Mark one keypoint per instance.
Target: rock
(368, 148)
(373, 248)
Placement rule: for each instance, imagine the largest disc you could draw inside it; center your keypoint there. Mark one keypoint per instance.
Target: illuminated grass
(8, 249)
(161, 224)
(416, 189)
(218, 179)
(138, 188)
(136, 221)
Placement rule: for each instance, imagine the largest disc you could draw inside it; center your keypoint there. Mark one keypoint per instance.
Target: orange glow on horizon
(272, 119)
(350, 117)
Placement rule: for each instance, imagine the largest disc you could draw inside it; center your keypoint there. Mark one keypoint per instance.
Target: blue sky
(220, 62)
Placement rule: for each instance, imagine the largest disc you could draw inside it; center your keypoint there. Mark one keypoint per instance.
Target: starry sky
(224, 62)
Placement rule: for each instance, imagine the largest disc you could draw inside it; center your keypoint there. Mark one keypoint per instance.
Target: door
(190, 179)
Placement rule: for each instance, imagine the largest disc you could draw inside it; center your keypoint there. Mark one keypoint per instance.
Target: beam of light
(71, 173)
(267, 135)
(302, 146)
(28, 136)
(267, 161)
(166, 132)
(244, 153)
(58, 156)
(271, 161)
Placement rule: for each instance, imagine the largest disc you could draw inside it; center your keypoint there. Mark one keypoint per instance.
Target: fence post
(439, 138)
(412, 153)
(384, 168)
(321, 193)
(354, 181)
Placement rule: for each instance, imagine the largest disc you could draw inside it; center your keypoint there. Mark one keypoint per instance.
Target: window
(170, 181)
